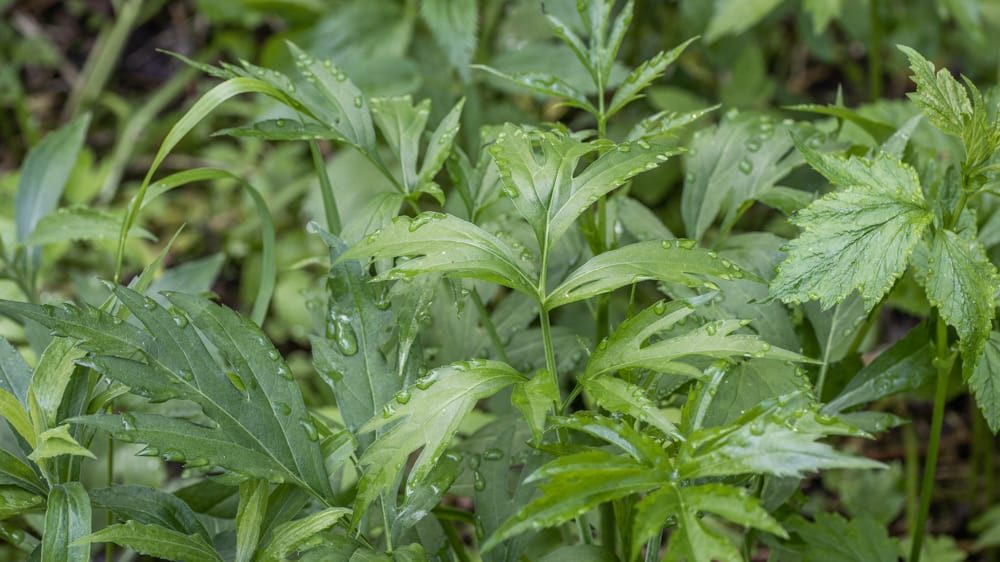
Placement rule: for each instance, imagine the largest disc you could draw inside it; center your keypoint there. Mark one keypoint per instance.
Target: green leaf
(652, 339)
(79, 223)
(150, 507)
(666, 123)
(879, 130)
(51, 379)
(732, 17)
(454, 26)
(14, 501)
(750, 383)
(536, 398)
(643, 76)
(289, 537)
(731, 164)
(669, 261)
(67, 518)
(859, 238)
(545, 84)
(250, 517)
(426, 415)
(640, 446)
(57, 441)
(831, 538)
(255, 404)
(579, 553)
(15, 375)
(905, 366)
(693, 539)
(778, 437)
(985, 384)
(506, 453)
(960, 282)
(44, 175)
(284, 130)
(616, 395)
(445, 244)
(16, 472)
(545, 187)
(156, 541)
(428, 493)
(939, 96)
(15, 414)
(578, 483)
(836, 327)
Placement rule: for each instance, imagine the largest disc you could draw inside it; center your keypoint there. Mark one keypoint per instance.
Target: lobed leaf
(856, 239)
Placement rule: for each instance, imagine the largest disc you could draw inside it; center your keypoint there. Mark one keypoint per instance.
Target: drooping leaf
(907, 365)
(831, 538)
(454, 26)
(732, 17)
(960, 282)
(984, 383)
(427, 494)
(156, 541)
(426, 415)
(57, 441)
(577, 483)
(150, 507)
(693, 539)
(79, 223)
(289, 537)
(255, 404)
(668, 261)
(859, 238)
(631, 346)
(778, 437)
(537, 171)
(446, 244)
(67, 518)
(732, 164)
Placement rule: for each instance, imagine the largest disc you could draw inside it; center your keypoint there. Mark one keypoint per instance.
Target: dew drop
(746, 166)
(493, 454)
(403, 396)
(186, 374)
(283, 408)
(310, 430)
(478, 482)
(236, 381)
(149, 304)
(173, 455)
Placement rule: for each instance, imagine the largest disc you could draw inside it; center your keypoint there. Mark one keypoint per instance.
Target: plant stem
(875, 51)
(911, 468)
(608, 528)
(653, 548)
(455, 541)
(329, 201)
(550, 355)
(943, 363)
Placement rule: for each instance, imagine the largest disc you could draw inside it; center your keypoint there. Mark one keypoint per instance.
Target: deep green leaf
(880, 131)
(454, 26)
(693, 539)
(14, 501)
(836, 327)
(749, 383)
(939, 96)
(831, 538)
(616, 395)
(859, 238)
(905, 366)
(985, 384)
(156, 541)
(79, 223)
(536, 398)
(427, 494)
(16, 472)
(669, 261)
(67, 518)
(640, 446)
(778, 437)
(289, 537)
(426, 415)
(960, 282)
(732, 164)
(445, 244)
(151, 507)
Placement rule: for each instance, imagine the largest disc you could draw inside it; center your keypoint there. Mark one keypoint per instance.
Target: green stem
(455, 541)
(943, 364)
(487, 322)
(583, 529)
(911, 464)
(653, 548)
(329, 200)
(550, 355)
(875, 51)
(609, 528)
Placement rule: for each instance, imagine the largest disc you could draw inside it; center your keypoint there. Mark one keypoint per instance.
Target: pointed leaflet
(985, 384)
(156, 541)
(652, 339)
(547, 85)
(643, 76)
(67, 518)
(693, 539)
(616, 395)
(939, 96)
(445, 244)
(350, 358)
(778, 437)
(255, 403)
(669, 261)
(537, 170)
(731, 164)
(859, 238)
(426, 415)
(960, 283)
(576, 484)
